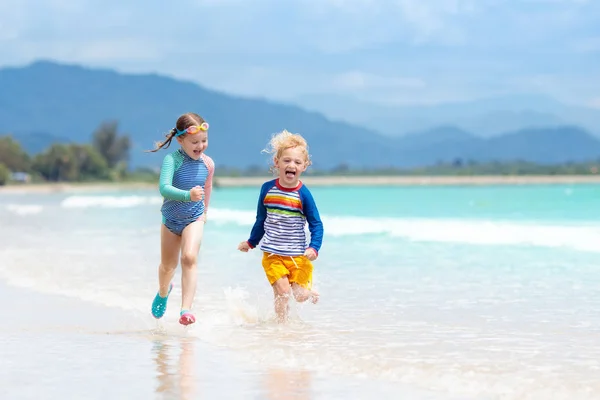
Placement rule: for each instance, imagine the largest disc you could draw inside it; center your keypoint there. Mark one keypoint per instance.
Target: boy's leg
(281, 291)
(301, 294)
(301, 272)
(277, 274)
(191, 239)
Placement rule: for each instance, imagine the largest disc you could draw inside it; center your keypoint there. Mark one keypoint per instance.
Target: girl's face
(291, 164)
(194, 145)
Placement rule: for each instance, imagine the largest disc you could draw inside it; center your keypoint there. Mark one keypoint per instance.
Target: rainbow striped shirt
(281, 217)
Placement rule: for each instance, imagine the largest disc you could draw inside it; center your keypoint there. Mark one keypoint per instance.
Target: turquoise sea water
(487, 292)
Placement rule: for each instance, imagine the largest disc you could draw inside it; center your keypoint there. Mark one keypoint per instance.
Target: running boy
(285, 205)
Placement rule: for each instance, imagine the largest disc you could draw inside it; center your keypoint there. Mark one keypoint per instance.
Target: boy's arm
(165, 185)
(315, 225)
(258, 230)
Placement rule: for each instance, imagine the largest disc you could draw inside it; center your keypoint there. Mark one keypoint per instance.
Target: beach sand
(316, 181)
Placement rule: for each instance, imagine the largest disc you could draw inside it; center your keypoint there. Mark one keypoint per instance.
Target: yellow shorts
(298, 269)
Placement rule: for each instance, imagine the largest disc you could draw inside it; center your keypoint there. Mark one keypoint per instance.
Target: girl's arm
(210, 165)
(165, 185)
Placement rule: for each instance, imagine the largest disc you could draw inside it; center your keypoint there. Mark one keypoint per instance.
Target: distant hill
(544, 146)
(483, 117)
(36, 142)
(71, 101)
(46, 102)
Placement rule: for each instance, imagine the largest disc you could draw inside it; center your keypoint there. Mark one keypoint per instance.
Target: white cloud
(358, 80)
(354, 24)
(587, 45)
(557, 1)
(380, 49)
(7, 34)
(127, 49)
(595, 103)
(436, 20)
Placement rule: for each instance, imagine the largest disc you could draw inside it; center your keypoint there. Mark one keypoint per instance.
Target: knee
(168, 267)
(282, 291)
(188, 260)
(301, 296)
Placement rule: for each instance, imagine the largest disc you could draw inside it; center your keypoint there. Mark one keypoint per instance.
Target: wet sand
(58, 347)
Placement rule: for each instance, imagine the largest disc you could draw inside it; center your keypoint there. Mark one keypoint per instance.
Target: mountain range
(484, 117)
(46, 102)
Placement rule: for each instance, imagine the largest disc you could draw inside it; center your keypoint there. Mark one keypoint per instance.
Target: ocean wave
(580, 236)
(109, 201)
(25, 209)
(481, 232)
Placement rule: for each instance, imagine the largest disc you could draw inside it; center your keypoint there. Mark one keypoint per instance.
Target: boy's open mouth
(290, 174)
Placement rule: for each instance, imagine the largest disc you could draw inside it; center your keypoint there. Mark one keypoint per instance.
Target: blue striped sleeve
(258, 230)
(315, 225)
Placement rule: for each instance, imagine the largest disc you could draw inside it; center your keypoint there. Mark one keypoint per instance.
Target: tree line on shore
(106, 159)
(456, 167)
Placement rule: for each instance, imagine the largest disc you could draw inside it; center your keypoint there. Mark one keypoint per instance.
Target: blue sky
(387, 51)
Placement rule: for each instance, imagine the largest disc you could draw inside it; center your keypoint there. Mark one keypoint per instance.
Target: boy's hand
(244, 246)
(311, 254)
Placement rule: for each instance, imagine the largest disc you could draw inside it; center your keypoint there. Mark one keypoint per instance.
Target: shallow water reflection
(175, 373)
(286, 384)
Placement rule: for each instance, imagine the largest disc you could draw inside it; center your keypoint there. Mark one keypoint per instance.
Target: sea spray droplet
(240, 310)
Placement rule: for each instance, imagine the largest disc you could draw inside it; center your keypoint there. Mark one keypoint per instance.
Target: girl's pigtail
(166, 143)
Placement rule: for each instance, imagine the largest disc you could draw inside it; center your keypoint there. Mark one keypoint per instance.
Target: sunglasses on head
(192, 130)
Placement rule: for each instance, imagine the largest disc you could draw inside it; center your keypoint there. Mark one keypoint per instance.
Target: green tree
(71, 162)
(90, 163)
(341, 169)
(113, 148)
(4, 174)
(13, 156)
(57, 163)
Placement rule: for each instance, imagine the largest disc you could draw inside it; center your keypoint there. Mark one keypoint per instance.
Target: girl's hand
(244, 246)
(311, 254)
(196, 193)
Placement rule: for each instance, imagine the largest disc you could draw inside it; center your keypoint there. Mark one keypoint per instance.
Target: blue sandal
(159, 305)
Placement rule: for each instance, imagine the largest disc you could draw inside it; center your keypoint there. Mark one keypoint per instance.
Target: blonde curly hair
(286, 140)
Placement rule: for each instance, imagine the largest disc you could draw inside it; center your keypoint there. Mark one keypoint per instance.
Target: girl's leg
(191, 239)
(281, 290)
(169, 252)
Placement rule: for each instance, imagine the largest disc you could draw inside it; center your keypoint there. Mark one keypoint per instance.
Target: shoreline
(405, 180)
(73, 187)
(327, 180)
